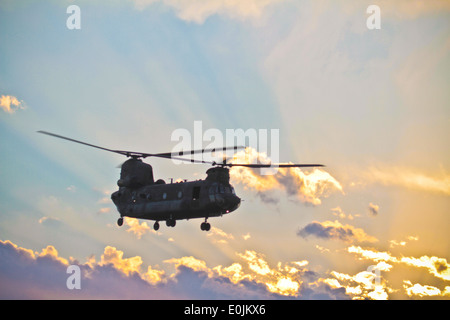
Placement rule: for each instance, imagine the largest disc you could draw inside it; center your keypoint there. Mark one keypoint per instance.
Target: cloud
(408, 178)
(10, 104)
(199, 10)
(363, 285)
(373, 209)
(220, 236)
(71, 188)
(138, 229)
(395, 243)
(104, 210)
(283, 279)
(190, 262)
(117, 276)
(28, 274)
(115, 257)
(372, 283)
(50, 221)
(335, 231)
(341, 214)
(308, 187)
(411, 9)
(438, 267)
(424, 290)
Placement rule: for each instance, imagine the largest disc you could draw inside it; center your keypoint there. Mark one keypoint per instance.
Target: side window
(212, 192)
(195, 193)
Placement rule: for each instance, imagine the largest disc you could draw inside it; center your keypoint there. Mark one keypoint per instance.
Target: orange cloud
(50, 251)
(408, 178)
(424, 290)
(190, 262)
(363, 285)
(10, 104)
(251, 276)
(138, 229)
(438, 267)
(284, 280)
(115, 257)
(308, 187)
(220, 236)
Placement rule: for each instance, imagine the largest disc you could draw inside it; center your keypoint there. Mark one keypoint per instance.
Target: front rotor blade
(190, 152)
(273, 165)
(191, 160)
(125, 153)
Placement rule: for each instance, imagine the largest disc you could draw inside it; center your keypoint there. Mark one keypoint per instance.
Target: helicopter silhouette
(139, 196)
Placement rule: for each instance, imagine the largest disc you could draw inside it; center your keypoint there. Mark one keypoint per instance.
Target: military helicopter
(139, 196)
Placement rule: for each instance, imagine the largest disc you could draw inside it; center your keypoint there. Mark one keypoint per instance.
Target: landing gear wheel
(205, 226)
(171, 222)
(120, 221)
(156, 226)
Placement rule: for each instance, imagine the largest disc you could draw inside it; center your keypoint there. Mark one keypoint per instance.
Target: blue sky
(370, 104)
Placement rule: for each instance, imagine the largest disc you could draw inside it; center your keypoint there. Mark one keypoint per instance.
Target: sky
(370, 104)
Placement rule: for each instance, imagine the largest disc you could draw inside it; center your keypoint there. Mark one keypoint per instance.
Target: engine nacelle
(135, 174)
(218, 174)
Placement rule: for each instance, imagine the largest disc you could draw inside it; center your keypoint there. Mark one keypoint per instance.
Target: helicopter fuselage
(139, 196)
(176, 201)
(142, 198)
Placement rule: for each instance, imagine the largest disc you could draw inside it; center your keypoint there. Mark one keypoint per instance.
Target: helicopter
(140, 196)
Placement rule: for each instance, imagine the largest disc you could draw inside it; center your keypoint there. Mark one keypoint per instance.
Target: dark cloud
(335, 231)
(268, 198)
(25, 274)
(373, 209)
(326, 232)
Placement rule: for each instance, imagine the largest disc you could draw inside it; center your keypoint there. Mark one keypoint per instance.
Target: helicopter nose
(233, 202)
(238, 202)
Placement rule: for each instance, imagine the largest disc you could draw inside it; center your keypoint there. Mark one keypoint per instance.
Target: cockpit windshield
(221, 188)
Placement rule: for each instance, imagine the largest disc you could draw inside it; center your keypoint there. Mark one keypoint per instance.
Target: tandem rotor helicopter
(139, 196)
